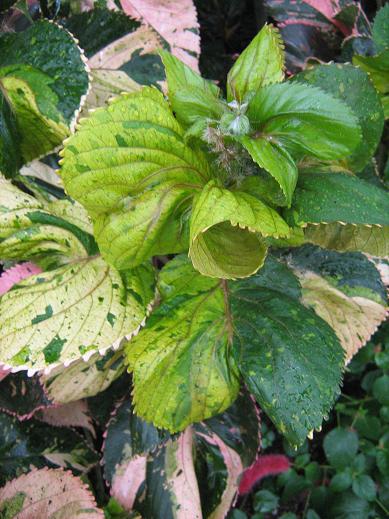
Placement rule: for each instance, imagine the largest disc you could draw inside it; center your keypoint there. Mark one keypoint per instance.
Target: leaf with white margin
(58, 316)
(335, 236)
(42, 171)
(226, 231)
(48, 494)
(354, 319)
(83, 378)
(43, 445)
(260, 64)
(42, 95)
(176, 22)
(129, 166)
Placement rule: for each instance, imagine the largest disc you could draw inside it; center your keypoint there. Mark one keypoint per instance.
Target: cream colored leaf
(354, 319)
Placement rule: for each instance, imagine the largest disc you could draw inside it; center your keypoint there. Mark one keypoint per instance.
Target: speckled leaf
(132, 221)
(91, 306)
(372, 240)
(83, 379)
(35, 444)
(352, 86)
(180, 361)
(191, 96)
(304, 119)
(274, 340)
(42, 94)
(22, 396)
(48, 494)
(171, 489)
(338, 197)
(346, 290)
(227, 230)
(32, 229)
(176, 22)
(260, 64)
(72, 414)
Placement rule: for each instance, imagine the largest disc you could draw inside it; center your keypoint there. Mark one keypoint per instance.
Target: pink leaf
(128, 478)
(12, 276)
(267, 465)
(175, 21)
(73, 414)
(4, 372)
(48, 493)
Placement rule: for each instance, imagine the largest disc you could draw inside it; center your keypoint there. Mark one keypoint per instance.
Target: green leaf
(377, 67)
(305, 120)
(338, 197)
(352, 86)
(380, 31)
(265, 501)
(83, 378)
(226, 232)
(181, 367)
(341, 481)
(190, 95)
(42, 96)
(381, 389)
(340, 447)
(276, 160)
(91, 307)
(260, 64)
(372, 240)
(349, 506)
(130, 168)
(33, 443)
(274, 337)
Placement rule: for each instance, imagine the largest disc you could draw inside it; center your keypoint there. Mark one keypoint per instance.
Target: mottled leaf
(73, 414)
(39, 98)
(48, 494)
(22, 396)
(35, 444)
(176, 22)
(181, 366)
(132, 221)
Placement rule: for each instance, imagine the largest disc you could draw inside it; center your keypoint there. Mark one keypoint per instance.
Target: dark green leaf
(364, 487)
(380, 30)
(265, 501)
(340, 446)
(341, 481)
(21, 395)
(349, 506)
(381, 389)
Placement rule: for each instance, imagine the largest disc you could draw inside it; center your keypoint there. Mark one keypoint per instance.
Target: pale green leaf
(181, 367)
(190, 95)
(90, 307)
(129, 166)
(83, 378)
(377, 67)
(274, 159)
(305, 120)
(227, 230)
(260, 64)
(373, 240)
